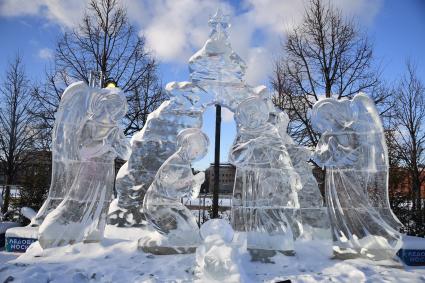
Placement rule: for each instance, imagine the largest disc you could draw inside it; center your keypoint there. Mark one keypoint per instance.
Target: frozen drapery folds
(72, 112)
(265, 193)
(177, 227)
(86, 140)
(352, 148)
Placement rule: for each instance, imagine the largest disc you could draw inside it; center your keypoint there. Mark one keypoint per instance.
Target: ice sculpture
(153, 145)
(218, 69)
(217, 77)
(353, 150)
(313, 214)
(265, 193)
(162, 203)
(218, 259)
(88, 150)
(71, 114)
(311, 220)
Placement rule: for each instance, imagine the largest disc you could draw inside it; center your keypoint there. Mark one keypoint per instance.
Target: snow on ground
(117, 259)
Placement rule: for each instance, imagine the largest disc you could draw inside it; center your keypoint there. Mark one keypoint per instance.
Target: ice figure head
(108, 106)
(219, 227)
(193, 144)
(252, 113)
(332, 115)
(352, 133)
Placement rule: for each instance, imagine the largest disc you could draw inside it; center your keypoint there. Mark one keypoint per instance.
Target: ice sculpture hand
(198, 180)
(162, 206)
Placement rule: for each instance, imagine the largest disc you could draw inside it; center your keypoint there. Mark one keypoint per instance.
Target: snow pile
(28, 213)
(117, 259)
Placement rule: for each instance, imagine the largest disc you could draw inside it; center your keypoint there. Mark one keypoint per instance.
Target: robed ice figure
(175, 223)
(352, 148)
(81, 215)
(265, 192)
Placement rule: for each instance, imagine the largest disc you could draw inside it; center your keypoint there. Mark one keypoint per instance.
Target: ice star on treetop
(219, 24)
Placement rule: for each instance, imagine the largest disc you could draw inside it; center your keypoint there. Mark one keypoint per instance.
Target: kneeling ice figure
(265, 194)
(218, 260)
(162, 206)
(81, 216)
(353, 150)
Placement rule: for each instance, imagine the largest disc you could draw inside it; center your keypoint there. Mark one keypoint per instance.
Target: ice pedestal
(18, 239)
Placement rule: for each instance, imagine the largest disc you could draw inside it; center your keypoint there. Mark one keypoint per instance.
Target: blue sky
(176, 29)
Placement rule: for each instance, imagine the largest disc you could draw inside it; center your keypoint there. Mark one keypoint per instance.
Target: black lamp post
(216, 161)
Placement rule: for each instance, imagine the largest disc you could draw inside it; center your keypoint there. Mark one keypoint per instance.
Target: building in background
(226, 178)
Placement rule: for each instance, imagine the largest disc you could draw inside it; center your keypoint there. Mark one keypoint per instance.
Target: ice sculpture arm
(240, 153)
(198, 180)
(121, 145)
(178, 180)
(92, 146)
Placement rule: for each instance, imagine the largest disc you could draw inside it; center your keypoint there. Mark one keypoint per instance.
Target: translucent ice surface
(217, 258)
(72, 113)
(265, 203)
(265, 193)
(217, 76)
(153, 145)
(86, 140)
(173, 181)
(352, 148)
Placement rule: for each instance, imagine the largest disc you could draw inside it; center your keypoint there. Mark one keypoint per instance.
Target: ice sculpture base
(384, 261)
(265, 256)
(162, 247)
(372, 254)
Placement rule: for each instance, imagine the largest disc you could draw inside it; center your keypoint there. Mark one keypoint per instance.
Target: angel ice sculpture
(162, 203)
(265, 192)
(73, 110)
(353, 150)
(97, 141)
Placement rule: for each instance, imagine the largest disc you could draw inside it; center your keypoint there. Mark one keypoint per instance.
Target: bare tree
(46, 98)
(105, 42)
(409, 125)
(326, 55)
(17, 133)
